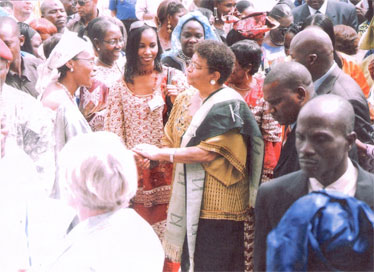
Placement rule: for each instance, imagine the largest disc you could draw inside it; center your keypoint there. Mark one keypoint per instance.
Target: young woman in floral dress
(136, 111)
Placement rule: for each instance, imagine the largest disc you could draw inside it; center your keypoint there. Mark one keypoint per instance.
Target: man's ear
(301, 94)
(351, 138)
(21, 40)
(312, 58)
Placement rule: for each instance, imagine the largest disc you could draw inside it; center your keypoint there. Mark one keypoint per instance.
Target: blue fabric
(209, 33)
(298, 2)
(3, 12)
(323, 231)
(125, 8)
(368, 53)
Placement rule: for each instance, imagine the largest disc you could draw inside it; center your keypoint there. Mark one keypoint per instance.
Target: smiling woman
(107, 36)
(136, 111)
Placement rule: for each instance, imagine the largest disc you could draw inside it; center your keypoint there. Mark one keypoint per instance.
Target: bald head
(324, 136)
(287, 87)
(10, 34)
(9, 24)
(290, 75)
(337, 110)
(313, 48)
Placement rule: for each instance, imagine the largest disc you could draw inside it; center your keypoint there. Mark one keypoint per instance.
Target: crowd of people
(187, 135)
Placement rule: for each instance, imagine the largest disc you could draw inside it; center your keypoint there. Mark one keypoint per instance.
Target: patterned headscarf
(254, 24)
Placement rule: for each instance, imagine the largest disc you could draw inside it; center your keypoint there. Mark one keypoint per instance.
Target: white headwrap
(67, 48)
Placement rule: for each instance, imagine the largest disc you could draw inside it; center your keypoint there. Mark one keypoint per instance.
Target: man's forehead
(273, 90)
(318, 121)
(54, 5)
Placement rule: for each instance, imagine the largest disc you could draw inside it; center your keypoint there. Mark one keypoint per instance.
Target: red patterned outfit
(130, 117)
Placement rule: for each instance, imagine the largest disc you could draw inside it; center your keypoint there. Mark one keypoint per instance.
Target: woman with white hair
(99, 176)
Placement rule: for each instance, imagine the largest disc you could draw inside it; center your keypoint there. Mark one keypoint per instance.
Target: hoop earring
(169, 27)
(212, 82)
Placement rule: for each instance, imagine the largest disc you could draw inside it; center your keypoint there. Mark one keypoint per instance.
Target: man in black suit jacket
(287, 87)
(313, 48)
(340, 13)
(324, 136)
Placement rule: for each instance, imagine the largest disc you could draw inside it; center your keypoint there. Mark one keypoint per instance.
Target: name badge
(156, 102)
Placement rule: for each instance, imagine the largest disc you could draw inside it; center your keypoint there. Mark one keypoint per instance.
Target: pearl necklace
(237, 88)
(66, 91)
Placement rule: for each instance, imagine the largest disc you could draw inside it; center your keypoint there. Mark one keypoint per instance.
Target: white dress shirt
(346, 184)
(319, 81)
(322, 9)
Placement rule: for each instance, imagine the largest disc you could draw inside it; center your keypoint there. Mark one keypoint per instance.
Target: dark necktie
(318, 12)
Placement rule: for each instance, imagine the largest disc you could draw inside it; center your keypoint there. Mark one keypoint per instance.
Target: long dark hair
(132, 47)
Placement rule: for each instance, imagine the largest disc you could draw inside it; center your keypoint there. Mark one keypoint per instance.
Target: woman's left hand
(171, 91)
(148, 151)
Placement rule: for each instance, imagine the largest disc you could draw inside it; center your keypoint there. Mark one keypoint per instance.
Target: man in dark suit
(313, 48)
(340, 13)
(324, 135)
(287, 87)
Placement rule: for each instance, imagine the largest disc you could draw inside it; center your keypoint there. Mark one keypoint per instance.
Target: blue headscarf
(209, 33)
(323, 231)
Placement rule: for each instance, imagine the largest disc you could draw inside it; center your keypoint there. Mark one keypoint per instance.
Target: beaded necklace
(66, 91)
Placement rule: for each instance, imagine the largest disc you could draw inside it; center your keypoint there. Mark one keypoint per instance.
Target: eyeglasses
(194, 65)
(80, 2)
(90, 61)
(114, 42)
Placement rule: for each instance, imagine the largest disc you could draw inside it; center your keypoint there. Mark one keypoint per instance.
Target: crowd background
(177, 110)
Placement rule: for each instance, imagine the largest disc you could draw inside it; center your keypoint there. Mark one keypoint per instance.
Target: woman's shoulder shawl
(230, 111)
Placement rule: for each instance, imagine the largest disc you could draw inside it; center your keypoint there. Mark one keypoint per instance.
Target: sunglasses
(80, 2)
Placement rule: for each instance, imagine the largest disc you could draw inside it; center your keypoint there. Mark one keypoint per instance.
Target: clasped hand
(144, 153)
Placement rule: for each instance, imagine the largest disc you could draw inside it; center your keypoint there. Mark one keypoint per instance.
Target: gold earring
(169, 27)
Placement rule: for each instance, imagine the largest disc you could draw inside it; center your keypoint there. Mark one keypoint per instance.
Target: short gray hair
(97, 171)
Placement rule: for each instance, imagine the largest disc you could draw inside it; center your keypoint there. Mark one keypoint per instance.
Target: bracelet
(172, 155)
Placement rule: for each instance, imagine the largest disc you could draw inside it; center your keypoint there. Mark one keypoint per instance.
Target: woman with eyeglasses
(136, 111)
(107, 35)
(69, 65)
(217, 150)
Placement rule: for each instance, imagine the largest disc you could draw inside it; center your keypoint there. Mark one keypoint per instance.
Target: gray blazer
(340, 13)
(276, 196)
(341, 84)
